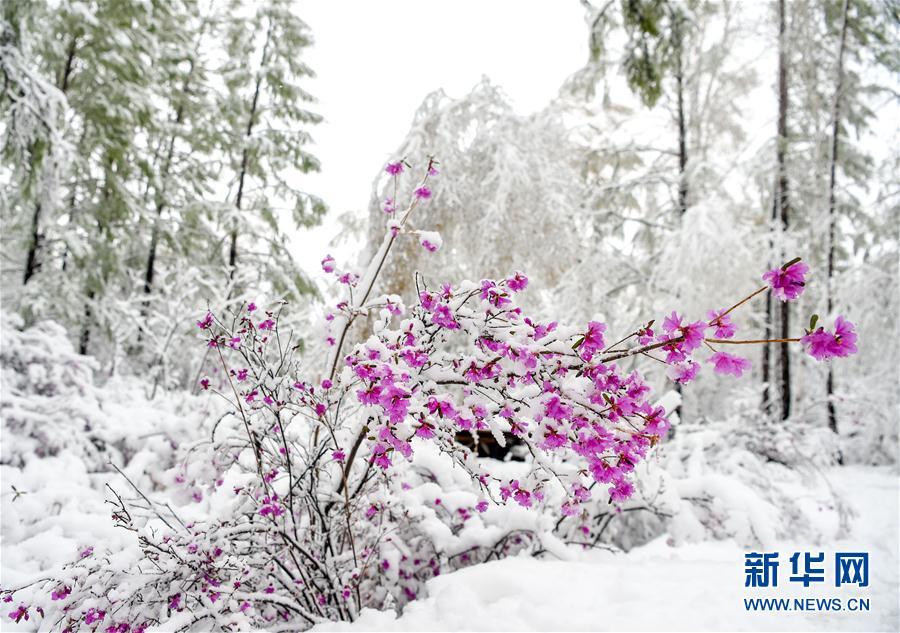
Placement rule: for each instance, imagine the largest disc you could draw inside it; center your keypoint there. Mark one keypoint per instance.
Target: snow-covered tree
(264, 139)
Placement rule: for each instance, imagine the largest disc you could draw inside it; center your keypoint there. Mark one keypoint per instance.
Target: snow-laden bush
(313, 499)
(48, 402)
(65, 431)
(52, 403)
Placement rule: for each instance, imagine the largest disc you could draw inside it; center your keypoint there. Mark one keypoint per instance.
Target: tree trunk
(31, 257)
(832, 201)
(783, 206)
(85, 337)
(254, 105)
(682, 142)
(767, 358)
(150, 269)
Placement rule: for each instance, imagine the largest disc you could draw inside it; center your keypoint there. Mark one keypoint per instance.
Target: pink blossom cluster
(520, 378)
(302, 468)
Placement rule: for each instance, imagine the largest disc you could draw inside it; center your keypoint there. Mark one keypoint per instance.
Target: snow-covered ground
(660, 587)
(55, 504)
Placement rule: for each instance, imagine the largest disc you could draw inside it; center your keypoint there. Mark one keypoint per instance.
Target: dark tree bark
(34, 242)
(767, 354)
(782, 206)
(150, 269)
(31, 259)
(245, 155)
(832, 199)
(85, 338)
(682, 139)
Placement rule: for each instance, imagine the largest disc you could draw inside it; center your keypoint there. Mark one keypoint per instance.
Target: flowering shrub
(296, 521)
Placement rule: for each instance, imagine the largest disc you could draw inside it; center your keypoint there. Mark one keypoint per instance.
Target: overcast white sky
(376, 61)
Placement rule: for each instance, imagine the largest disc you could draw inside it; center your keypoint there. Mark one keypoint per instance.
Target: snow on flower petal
(431, 241)
(443, 317)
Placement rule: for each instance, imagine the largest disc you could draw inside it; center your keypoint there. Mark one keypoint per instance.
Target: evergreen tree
(264, 141)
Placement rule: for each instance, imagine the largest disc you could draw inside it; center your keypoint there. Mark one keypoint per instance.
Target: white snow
(660, 587)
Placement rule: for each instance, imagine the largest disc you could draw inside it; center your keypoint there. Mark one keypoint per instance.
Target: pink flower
(621, 491)
(21, 613)
(348, 279)
(175, 602)
(729, 364)
(86, 552)
(428, 300)
(553, 440)
(672, 324)
(683, 372)
(251, 307)
(204, 383)
(94, 615)
(822, 344)
(593, 340)
(517, 283)
(394, 169)
(423, 193)
(393, 308)
(270, 505)
(395, 402)
(268, 324)
(787, 283)
(725, 328)
(388, 206)
(206, 322)
(523, 498)
(380, 457)
(60, 593)
(431, 241)
(556, 410)
(491, 294)
(338, 455)
(693, 335)
(443, 317)
(481, 506)
(415, 358)
(328, 264)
